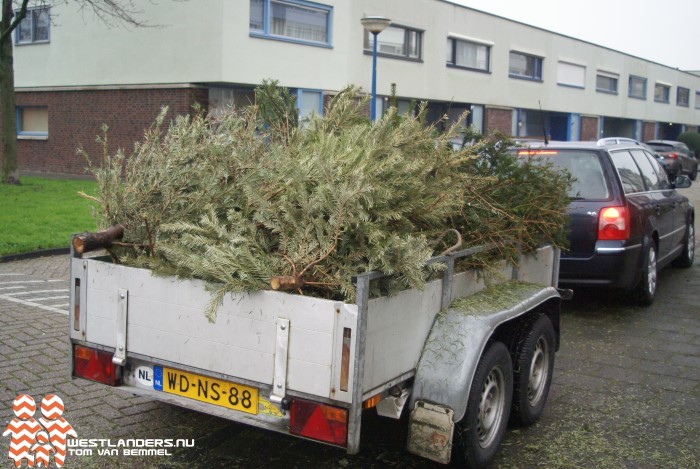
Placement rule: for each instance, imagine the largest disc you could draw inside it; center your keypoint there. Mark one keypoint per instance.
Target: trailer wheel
(532, 375)
(488, 406)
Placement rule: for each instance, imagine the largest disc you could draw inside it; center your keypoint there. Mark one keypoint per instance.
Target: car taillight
(614, 223)
(319, 422)
(95, 365)
(671, 155)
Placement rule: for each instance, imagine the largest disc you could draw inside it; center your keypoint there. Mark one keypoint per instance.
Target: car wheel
(688, 254)
(645, 292)
(532, 373)
(488, 406)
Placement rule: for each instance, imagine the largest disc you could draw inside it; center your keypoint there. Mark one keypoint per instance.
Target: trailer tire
(532, 373)
(488, 406)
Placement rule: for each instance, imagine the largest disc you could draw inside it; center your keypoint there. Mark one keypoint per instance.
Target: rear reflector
(319, 422)
(95, 365)
(614, 224)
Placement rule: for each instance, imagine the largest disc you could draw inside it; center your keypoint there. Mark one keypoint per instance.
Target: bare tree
(111, 12)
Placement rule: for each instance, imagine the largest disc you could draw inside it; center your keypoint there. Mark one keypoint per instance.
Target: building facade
(74, 74)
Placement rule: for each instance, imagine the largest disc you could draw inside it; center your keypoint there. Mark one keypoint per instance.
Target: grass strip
(43, 213)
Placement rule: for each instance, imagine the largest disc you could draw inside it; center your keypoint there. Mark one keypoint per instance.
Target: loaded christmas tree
(253, 199)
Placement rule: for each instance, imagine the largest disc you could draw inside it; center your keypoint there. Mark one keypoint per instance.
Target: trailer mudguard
(454, 346)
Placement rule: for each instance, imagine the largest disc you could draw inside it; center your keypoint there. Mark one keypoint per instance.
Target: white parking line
(46, 298)
(35, 291)
(10, 275)
(9, 295)
(32, 281)
(36, 305)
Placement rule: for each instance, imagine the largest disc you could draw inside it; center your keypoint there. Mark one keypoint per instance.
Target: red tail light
(95, 365)
(671, 155)
(319, 422)
(614, 223)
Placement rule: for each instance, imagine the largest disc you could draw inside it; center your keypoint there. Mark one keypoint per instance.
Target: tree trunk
(87, 242)
(8, 121)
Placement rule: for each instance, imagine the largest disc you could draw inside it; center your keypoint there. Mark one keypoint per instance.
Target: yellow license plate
(205, 389)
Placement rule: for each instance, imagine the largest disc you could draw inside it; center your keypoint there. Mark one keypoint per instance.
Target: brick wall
(76, 118)
(498, 119)
(589, 128)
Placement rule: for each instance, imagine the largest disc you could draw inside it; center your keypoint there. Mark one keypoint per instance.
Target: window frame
(537, 73)
(629, 85)
(367, 47)
(607, 75)
(667, 87)
(26, 134)
(678, 96)
(266, 33)
(30, 17)
(581, 86)
(453, 40)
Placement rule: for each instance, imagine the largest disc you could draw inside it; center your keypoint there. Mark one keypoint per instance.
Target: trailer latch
(122, 313)
(279, 381)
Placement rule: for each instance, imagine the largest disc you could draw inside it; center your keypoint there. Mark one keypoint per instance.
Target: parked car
(627, 221)
(677, 156)
(670, 166)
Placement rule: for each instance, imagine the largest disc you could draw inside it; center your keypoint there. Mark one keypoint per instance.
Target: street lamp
(375, 25)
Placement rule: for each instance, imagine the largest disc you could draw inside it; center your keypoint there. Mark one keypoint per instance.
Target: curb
(34, 254)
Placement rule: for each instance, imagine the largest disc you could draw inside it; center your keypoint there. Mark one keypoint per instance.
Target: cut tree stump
(87, 242)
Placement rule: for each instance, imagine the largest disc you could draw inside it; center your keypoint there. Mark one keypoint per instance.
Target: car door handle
(658, 209)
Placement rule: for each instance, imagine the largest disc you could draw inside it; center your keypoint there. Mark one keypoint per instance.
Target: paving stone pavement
(626, 389)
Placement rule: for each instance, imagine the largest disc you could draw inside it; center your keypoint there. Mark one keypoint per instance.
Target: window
(32, 121)
(34, 27)
(606, 82)
(638, 87)
(682, 97)
(649, 174)
(629, 173)
(525, 66)
(308, 103)
(662, 93)
(569, 74)
(467, 54)
(697, 100)
(291, 20)
(396, 41)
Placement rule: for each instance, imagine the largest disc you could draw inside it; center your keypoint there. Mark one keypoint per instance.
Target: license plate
(205, 389)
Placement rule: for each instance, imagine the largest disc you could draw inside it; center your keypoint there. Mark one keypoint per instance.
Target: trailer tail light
(95, 365)
(614, 224)
(319, 422)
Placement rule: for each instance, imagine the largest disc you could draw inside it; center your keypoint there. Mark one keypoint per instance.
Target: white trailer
(307, 366)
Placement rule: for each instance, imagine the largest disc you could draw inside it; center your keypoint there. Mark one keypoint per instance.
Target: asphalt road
(626, 389)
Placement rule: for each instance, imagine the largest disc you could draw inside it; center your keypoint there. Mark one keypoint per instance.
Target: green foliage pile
(243, 198)
(692, 139)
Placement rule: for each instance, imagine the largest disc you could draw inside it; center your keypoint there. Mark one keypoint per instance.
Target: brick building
(74, 74)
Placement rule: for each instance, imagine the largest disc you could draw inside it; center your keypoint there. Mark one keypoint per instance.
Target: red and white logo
(35, 441)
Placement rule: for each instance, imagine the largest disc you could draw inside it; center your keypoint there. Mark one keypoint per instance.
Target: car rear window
(586, 168)
(661, 147)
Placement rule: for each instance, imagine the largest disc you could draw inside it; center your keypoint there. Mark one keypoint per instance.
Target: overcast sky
(663, 31)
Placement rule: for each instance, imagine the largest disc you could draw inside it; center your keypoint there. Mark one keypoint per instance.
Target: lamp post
(375, 25)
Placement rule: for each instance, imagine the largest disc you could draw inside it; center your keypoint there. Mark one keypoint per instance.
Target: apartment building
(74, 74)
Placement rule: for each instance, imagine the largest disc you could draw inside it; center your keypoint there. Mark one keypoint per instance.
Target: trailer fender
(454, 346)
